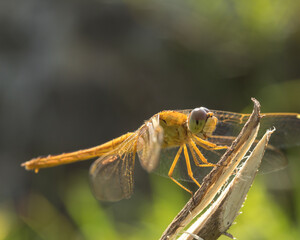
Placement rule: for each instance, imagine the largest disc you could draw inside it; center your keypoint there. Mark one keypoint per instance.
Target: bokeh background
(74, 74)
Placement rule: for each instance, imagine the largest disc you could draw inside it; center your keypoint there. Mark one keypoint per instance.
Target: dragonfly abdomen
(66, 158)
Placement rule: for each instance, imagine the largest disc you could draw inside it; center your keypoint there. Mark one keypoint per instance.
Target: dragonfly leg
(208, 145)
(172, 170)
(193, 148)
(188, 165)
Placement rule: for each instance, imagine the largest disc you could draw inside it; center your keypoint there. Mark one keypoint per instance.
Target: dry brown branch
(214, 181)
(221, 214)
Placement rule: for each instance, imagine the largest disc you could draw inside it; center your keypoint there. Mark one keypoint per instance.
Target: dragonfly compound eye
(197, 119)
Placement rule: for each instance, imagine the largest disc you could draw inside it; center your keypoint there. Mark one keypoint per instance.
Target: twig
(221, 214)
(217, 177)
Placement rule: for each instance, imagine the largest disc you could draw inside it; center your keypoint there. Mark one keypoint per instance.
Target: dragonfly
(177, 144)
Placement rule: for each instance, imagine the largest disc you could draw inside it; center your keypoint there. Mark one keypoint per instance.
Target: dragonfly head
(201, 120)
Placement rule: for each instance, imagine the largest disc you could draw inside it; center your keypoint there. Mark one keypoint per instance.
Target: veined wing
(287, 134)
(150, 137)
(273, 160)
(111, 176)
(287, 126)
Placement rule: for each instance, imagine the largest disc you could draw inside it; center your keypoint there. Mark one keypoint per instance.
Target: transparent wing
(111, 176)
(273, 159)
(287, 126)
(149, 143)
(287, 134)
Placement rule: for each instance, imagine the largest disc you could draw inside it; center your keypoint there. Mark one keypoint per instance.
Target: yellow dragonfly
(169, 143)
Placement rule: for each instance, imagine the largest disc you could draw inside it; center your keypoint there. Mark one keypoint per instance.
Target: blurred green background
(74, 74)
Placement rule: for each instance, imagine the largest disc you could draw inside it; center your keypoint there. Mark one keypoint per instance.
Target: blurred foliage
(75, 74)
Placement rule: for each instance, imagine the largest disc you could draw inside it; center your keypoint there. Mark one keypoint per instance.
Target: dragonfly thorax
(175, 129)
